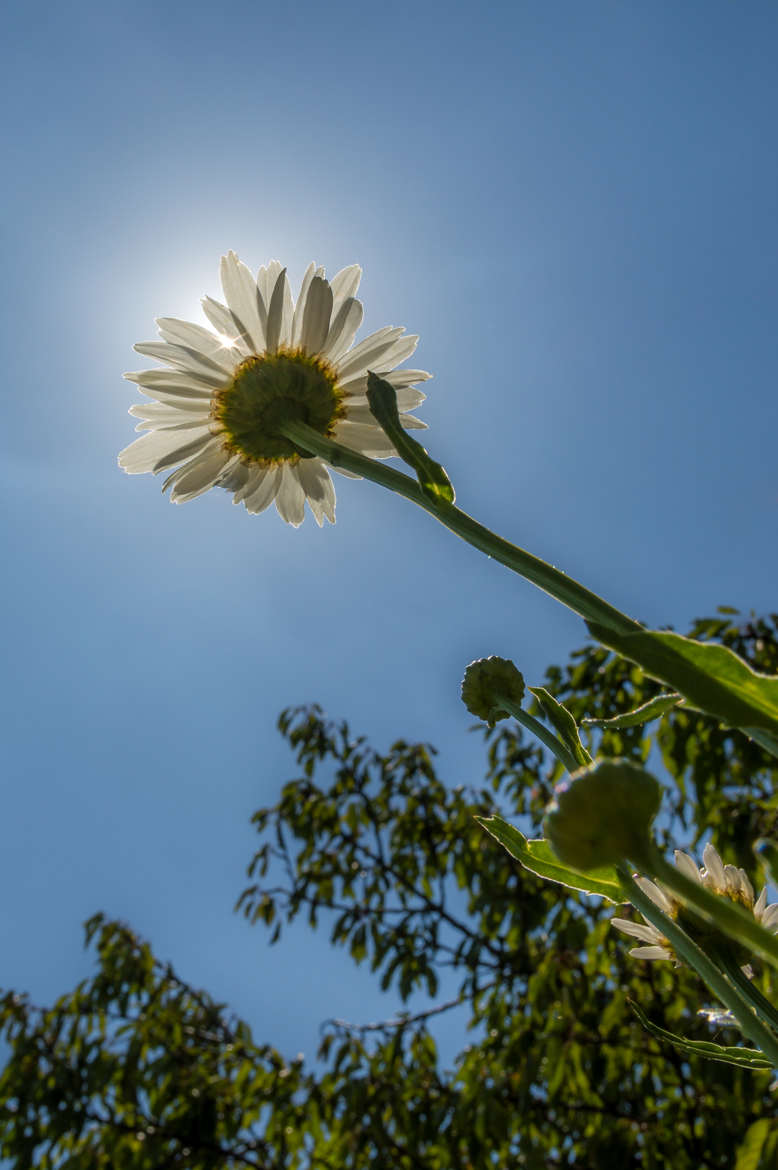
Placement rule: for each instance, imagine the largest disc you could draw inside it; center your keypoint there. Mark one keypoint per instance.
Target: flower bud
(602, 815)
(487, 684)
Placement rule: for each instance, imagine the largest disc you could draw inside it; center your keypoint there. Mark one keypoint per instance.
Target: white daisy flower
(728, 881)
(266, 360)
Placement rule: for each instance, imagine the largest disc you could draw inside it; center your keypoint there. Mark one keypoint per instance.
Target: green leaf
(655, 707)
(382, 400)
(539, 858)
(711, 678)
(563, 723)
(745, 1057)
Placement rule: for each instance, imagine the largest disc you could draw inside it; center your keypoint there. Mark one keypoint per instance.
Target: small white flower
(216, 410)
(728, 881)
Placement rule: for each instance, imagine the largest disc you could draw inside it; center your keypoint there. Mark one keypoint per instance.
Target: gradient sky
(574, 204)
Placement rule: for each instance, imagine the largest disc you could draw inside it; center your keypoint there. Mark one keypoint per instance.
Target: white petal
(687, 865)
(404, 377)
(345, 322)
(235, 476)
(256, 476)
(264, 492)
(266, 280)
(198, 476)
(363, 414)
(346, 474)
(299, 309)
(360, 359)
(369, 440)
(197, 338)
(411, 423)
(151, 450)
(316, 321)
(714, 867)
(182, 424)
(745, 886)
(655, 894)
(384, 358)
(317, 485)
(761, 902)
(290, 497)
(344, 284)
(244, 301)
(402, 349)
(167, 414)
(186, 360)
(770, 917)
(227, 324)
(173, 382)
(637, 930)
(650, 953)
(279, 314)
(406, 399)
(195, 446)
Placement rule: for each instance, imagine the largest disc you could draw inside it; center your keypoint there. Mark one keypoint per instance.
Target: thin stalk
(731, 919)
(562, 753)
(554, 582)
(691, 953)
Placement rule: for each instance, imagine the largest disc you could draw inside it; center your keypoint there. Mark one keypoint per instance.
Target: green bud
(488, 683)
(602, 815)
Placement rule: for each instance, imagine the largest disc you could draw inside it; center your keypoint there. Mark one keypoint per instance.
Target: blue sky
(572, 204)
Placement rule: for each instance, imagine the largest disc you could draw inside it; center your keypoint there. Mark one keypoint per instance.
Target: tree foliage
(136, 1069)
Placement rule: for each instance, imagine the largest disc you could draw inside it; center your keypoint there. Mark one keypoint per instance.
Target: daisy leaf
(538, 857)
(382, 400)
(653, 709)
(711, 678)
(563, 723)
(744, 1057)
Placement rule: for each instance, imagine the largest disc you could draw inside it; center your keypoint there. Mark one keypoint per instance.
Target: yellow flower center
(266, 391)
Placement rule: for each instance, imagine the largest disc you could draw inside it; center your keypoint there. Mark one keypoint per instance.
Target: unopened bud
(487, 684)
(602, 815)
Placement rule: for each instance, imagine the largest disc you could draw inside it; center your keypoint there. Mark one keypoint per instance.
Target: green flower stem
(695, 957)
(565, 757)
(731, 919)
(759, 1002)
(565, 589)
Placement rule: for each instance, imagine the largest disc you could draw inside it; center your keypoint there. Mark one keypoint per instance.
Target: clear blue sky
(573, 204)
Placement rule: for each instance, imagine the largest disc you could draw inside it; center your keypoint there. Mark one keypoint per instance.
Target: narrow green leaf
(745, 1057)
(711, 678)
(563, 723)
(659, 705)
(382, 400)
(539, 858)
